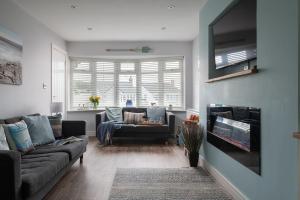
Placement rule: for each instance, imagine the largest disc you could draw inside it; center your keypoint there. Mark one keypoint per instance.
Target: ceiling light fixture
(73, 6)
(171, 6)
(163, 28)
(89, 28)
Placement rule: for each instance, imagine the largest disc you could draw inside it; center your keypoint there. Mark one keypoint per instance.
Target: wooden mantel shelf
(297, 135)
(237, 74)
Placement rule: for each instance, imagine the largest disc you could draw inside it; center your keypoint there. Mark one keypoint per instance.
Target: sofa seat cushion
(38, 169)
(73, 149)
(131, 130)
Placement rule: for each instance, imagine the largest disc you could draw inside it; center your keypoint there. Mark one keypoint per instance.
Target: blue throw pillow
(156, 113)
(114, 113)
(20, 136)
(39, 129)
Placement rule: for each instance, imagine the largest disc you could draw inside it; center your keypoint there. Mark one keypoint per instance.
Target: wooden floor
(93, 179)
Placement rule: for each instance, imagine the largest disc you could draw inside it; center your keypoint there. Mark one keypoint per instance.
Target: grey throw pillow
(39, 129)
(156, 113)
(56, 125)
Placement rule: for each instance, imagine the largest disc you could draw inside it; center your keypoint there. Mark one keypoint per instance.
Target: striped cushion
(133, 118)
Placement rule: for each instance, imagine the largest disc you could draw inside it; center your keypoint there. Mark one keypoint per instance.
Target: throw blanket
(105, 130)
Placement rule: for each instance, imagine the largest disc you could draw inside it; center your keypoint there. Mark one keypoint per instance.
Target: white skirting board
(91, 133)
(228, 186)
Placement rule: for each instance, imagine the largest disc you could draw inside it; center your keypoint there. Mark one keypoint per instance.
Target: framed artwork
(11, 49)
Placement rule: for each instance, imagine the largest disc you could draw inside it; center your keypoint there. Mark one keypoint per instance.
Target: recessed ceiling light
(74, 6)
(171, 6)
(89, 28)
(163, 28)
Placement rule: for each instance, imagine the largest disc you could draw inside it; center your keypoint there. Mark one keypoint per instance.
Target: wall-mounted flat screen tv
(233, 39)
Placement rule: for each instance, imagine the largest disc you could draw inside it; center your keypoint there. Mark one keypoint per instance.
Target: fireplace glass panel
(235, 130)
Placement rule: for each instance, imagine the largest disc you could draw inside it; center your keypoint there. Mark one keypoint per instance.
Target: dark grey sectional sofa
(131, 131)
(32, 176)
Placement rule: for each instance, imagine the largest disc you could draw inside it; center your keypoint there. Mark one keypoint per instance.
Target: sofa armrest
(100, 117)
(10, 173)
(171, 121)
(73, 128)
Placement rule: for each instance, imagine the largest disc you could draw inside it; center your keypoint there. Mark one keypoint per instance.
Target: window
(144, 81)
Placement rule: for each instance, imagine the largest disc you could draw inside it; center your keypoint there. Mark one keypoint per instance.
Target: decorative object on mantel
(296, 135)
(144, 49)
(10, 58)
(192, 134)
(95, 101)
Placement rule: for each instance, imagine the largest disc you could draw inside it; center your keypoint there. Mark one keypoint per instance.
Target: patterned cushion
(156, 113)
(20, 136)
(114, 113)
(3, 142)
(56, 125)
(39, 129)
(133, 118)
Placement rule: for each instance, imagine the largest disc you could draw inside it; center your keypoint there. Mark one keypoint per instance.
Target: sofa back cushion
(39, 129)
(157, 113)
(3, 141)
(19, 135)
(133, 118)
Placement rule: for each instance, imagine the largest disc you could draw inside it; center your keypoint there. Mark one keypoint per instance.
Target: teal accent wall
(274, 89)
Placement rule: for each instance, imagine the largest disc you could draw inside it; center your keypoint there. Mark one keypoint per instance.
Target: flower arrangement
(95, 101)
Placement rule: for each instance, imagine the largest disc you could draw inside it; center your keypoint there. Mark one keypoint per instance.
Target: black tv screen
(234, 35)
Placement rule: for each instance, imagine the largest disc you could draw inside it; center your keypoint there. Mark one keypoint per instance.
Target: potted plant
(192, 137)
(95, 101)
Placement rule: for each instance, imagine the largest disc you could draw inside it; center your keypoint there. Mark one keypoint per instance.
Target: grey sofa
(130, 131)
(32, 176)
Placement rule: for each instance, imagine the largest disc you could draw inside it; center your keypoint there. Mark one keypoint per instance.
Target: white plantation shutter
(173, 83)
(105, 82)
(150, 84)
(81, 83)
(144, 81)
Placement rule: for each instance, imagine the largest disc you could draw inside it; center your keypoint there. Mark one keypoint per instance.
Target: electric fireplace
(235, 130)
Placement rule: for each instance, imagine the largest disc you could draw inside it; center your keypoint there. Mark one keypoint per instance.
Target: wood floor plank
(93, 179)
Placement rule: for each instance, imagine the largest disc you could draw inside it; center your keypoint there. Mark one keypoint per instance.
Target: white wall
(196, 74)
(98, 49)
(28, 97)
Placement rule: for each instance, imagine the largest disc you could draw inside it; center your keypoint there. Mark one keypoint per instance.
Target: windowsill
(103, 109)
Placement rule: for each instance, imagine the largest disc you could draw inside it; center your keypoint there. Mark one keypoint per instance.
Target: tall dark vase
(193, 158)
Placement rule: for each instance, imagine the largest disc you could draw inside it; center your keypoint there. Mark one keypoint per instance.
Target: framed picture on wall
(11, 49)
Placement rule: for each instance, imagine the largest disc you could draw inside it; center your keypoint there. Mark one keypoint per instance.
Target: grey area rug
(165, 184)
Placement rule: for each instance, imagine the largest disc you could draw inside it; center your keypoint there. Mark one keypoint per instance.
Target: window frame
(137, 72)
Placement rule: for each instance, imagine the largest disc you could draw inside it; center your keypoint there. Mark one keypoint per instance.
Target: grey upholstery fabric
(10, 174)
(38, 169)
(141, 131)
(72, 149)
(171, 121)
(73, 128)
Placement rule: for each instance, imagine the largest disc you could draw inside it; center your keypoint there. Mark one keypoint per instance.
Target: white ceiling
(118, 20)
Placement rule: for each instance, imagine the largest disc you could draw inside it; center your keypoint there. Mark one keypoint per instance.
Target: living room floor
(93, 179)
